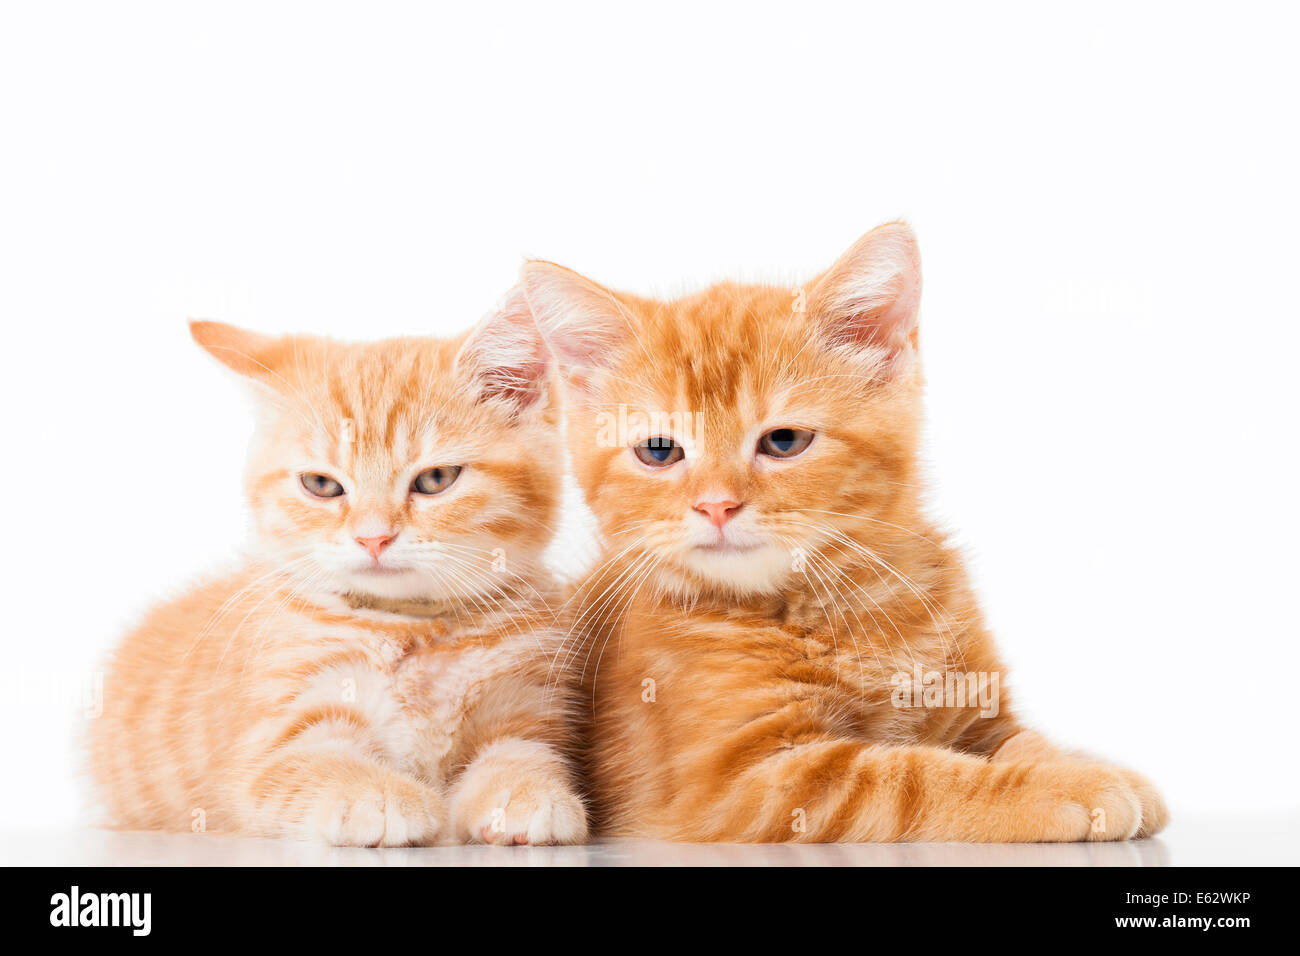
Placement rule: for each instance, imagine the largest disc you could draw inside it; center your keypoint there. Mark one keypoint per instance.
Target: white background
(1105, 196)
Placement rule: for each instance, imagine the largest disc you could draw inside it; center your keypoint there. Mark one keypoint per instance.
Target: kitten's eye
(658, 452)
(433, 481)
(321, 486)
(785, 442)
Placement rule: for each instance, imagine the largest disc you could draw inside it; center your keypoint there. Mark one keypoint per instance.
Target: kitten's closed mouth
(726, 547)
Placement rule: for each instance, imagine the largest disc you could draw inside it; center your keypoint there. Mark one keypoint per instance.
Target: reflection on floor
(1260, 839)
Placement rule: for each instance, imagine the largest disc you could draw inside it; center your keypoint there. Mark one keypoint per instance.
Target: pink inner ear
(871, 296)
(506, 353)
(583, 324)
(520, 385)
(884, 321)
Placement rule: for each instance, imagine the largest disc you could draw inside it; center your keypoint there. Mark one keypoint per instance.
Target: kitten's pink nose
(719, 512)
(375, 546)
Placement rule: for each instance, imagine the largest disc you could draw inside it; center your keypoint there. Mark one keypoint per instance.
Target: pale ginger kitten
(380, 673)
(763, 639)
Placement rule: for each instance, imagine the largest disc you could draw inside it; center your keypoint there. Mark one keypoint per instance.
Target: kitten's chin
(406, 584)
(763, 569)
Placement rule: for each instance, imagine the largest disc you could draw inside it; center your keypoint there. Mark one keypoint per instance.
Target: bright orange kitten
(778, 644)
(380, 672)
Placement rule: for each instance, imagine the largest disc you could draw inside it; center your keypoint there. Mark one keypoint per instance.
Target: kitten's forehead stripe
(377, 413)
(719, 353)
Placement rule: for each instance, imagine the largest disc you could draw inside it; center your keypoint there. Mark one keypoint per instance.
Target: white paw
(517, 792)
(398, 814)
(532, 816)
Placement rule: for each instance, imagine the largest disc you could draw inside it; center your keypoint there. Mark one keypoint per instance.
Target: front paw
(1031, 747)
(1079, 802)
(516, 792)
(384, 810)
(1155, 813)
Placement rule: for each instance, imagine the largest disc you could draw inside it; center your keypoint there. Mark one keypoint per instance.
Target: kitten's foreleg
(516, 784)
(843, 790)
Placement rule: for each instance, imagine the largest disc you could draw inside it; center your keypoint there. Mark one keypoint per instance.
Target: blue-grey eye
(433, 481)
(320, 486)
(658, 452)
(785, 442)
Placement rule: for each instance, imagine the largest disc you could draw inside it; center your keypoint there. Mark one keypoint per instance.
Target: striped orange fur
(324, 693)
(750, 639)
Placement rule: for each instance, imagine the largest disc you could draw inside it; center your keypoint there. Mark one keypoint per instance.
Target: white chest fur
(413, 693)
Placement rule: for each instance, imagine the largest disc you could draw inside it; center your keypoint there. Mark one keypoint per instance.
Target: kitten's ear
(869, 299)
(251, 354)
(505, 353)
(583, 323)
